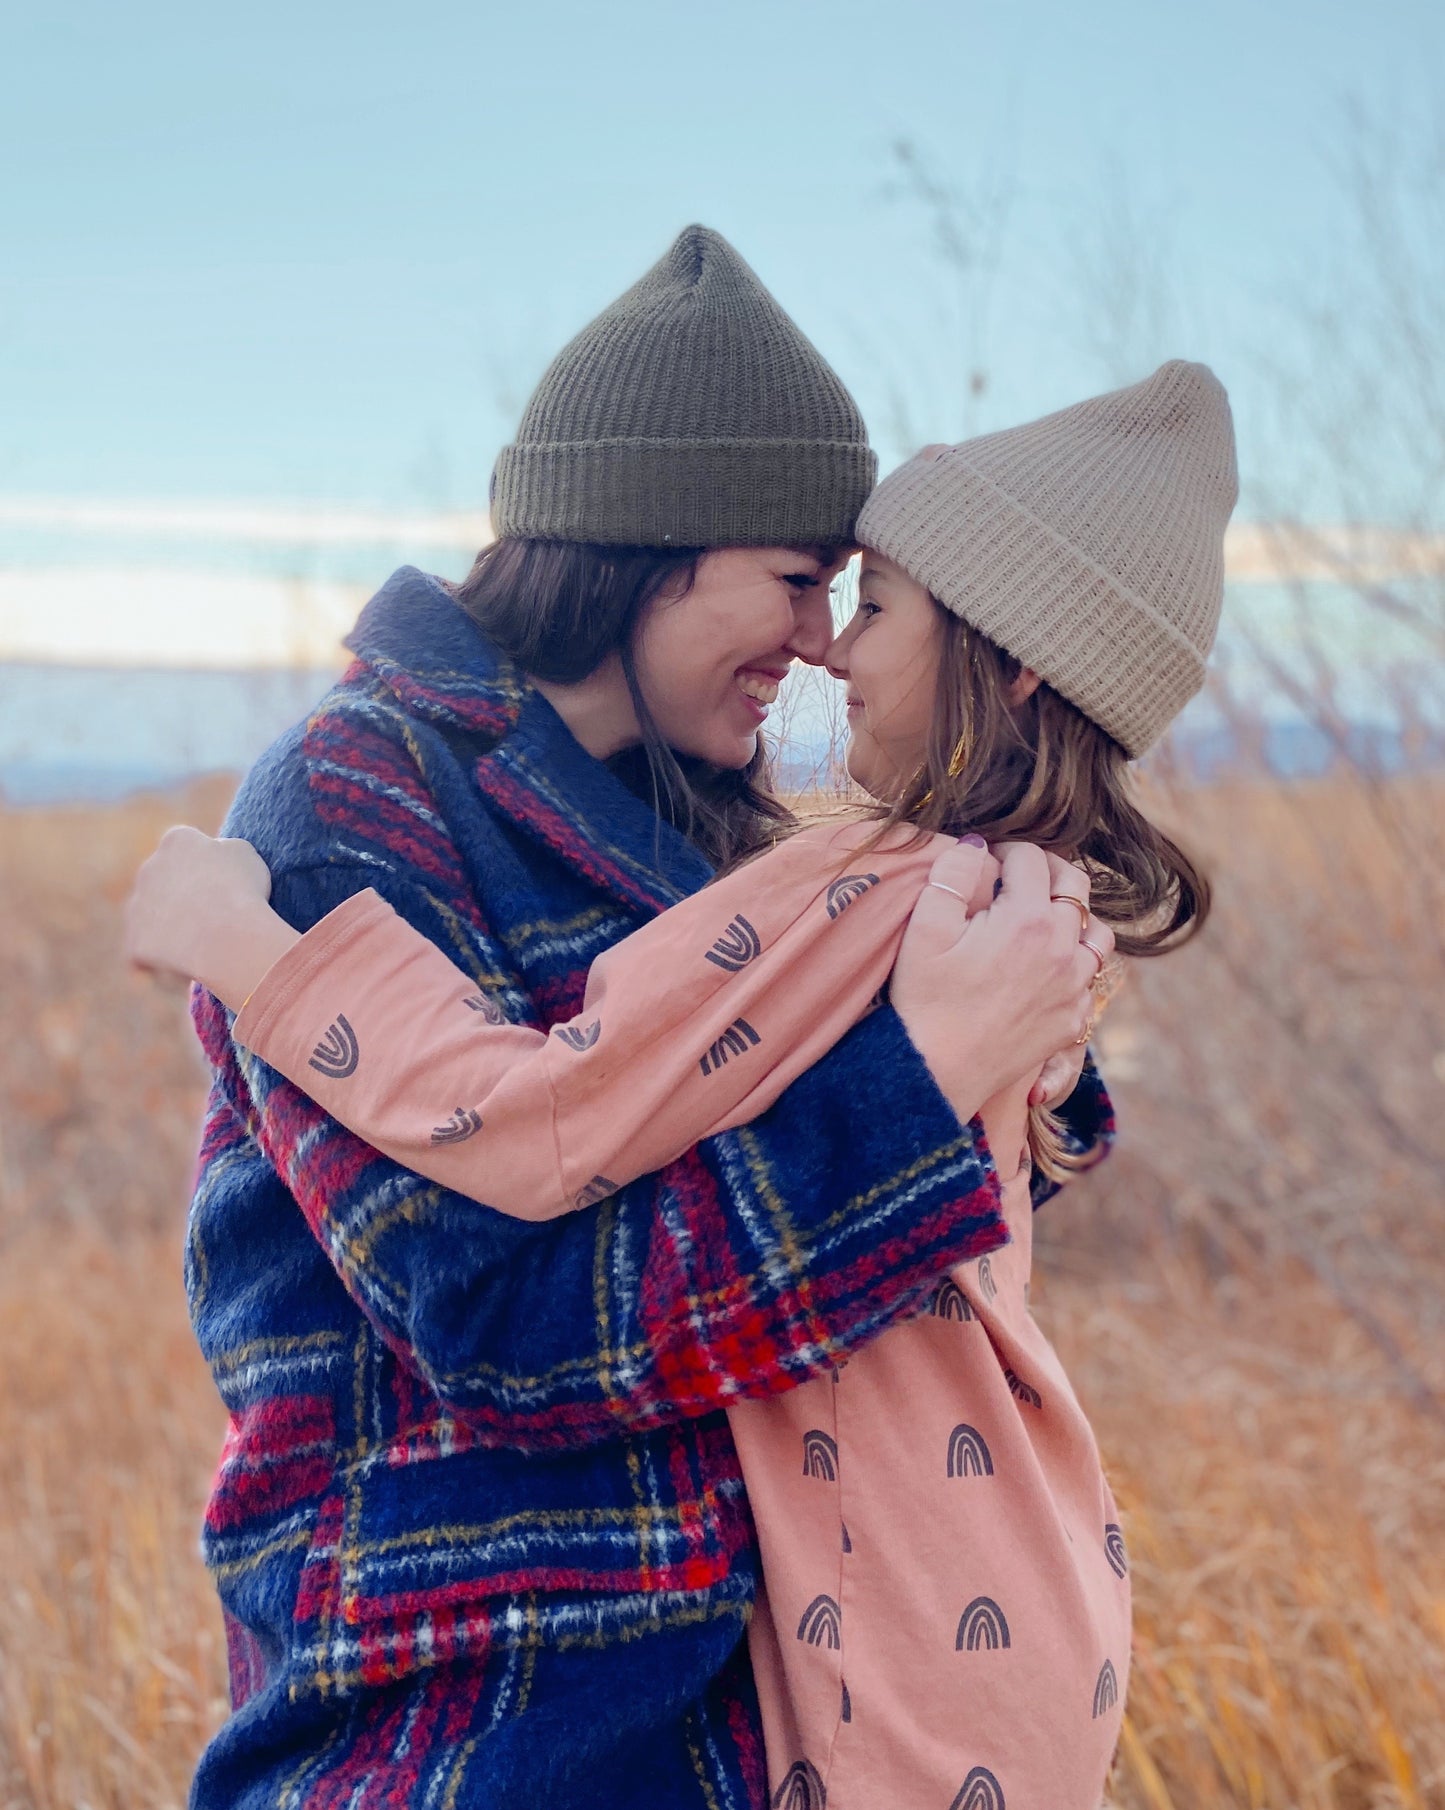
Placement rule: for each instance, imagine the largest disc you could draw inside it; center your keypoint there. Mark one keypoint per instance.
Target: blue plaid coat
(478, 1529)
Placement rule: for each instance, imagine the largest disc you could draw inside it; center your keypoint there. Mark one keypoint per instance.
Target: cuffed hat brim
(699, 493)
(1038, 598)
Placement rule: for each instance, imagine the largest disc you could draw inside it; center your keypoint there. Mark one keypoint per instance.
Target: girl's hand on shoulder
(189, 899)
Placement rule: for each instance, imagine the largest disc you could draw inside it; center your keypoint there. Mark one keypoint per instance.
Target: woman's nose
(812, 627)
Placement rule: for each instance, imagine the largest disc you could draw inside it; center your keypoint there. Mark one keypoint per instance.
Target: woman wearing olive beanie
(479, 1529)
(691, 413)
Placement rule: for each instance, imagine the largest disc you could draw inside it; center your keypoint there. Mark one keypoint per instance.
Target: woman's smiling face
(711, 660)
(887, 656)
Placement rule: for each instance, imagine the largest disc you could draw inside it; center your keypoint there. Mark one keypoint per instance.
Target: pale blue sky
(323, 251)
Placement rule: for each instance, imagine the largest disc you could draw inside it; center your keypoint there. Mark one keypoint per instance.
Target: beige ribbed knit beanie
(691, 413)
(1089, 544)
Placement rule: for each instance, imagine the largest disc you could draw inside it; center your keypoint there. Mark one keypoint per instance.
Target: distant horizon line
(1256, 552)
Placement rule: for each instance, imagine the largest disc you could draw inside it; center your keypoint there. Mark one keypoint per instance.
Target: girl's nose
(836, 658)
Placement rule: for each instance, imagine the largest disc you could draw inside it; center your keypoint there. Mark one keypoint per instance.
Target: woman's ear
(1023, 687)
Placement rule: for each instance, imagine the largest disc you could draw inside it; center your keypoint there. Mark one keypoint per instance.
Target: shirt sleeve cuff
(285, 978)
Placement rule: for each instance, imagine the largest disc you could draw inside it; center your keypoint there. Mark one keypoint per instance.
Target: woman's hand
(198, 909)
(988, 996)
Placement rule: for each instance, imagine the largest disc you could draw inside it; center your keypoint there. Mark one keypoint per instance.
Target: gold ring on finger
(1097, 953)
(953, 889)
(1086, 1033)
(1067, 898)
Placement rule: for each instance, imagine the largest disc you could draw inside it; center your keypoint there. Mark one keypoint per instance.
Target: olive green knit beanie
(1089, 544)
(691, 413)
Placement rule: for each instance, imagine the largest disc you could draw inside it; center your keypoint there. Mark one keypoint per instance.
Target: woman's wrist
(954, 1057)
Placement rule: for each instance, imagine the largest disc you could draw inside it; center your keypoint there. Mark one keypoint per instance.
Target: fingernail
(973, 840)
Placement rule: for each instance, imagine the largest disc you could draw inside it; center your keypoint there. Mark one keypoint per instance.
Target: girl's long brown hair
(1040, 771)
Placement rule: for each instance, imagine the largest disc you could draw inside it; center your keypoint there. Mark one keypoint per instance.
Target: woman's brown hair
(558, 609)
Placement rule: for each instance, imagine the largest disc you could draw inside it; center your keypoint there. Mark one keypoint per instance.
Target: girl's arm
(692, 1025)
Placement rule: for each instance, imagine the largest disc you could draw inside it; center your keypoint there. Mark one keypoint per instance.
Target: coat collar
(415, 637)
(445, 671)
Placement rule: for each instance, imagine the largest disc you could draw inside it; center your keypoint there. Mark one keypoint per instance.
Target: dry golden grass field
(1250, 1297)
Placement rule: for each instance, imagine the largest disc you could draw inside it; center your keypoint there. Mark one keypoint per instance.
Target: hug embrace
(612, 1230)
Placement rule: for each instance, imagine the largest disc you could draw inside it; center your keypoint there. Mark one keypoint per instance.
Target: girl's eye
(866, 607)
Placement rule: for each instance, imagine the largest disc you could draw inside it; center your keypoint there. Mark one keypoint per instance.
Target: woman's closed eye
(801, 581)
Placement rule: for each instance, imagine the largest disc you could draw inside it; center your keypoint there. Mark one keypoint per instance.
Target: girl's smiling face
(887, 656)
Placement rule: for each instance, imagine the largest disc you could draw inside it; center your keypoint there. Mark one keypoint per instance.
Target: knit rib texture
(1089, 544)
(692, 412)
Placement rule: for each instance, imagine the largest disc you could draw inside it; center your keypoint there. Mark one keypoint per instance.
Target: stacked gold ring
(1067, 898)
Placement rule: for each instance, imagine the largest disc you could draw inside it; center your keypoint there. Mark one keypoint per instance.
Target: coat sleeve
(757, 1259)
(692, 1025)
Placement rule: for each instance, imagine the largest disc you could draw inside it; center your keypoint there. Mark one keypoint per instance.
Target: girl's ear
(1024, 686)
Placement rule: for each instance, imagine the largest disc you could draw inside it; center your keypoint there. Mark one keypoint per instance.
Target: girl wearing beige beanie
(1047, 597)
(1088, 545)
(944, 1616)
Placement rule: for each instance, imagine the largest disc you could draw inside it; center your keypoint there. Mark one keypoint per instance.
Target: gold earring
(957, 761)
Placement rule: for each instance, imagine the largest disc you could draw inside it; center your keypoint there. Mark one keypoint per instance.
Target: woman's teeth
(762, 691)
